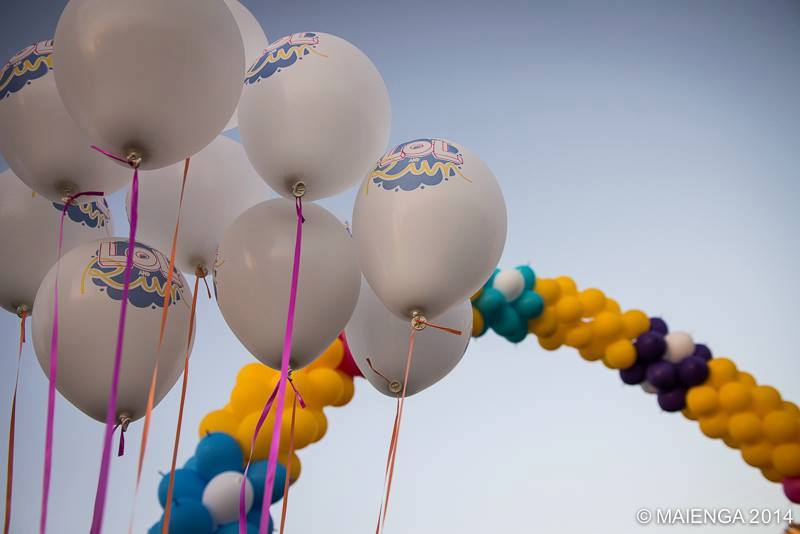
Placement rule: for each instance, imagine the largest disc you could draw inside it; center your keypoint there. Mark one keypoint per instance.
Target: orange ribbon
(11, 427)
(288, 468)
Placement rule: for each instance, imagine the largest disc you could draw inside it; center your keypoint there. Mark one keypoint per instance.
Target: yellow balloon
(322, 423)
(721, 371)
(607, 324)
(781, 426)
(765, 399)
(326, 384)
(255, 372)
(747, 379)
(244, 435)
(567, 285)
(593, 301)
(734, 397)
(306, 388)
(714, 426)
(549, 290)
(305, 428)
(731, 442)
(544, 325)
(791, 408)
(554, 341)
(758, 454)
(579, 336)
(772, 474)
(219, 421)
(569, 309)
(348, 389)
(786, 459)
(250, 396)
(688, 414)
(745, 427)
(612, 306)
(292, 463)
(634, 323)
(476, 295)
(477, 322)
(331, 357)
(620, 354)
(594, 351)
(702, 400)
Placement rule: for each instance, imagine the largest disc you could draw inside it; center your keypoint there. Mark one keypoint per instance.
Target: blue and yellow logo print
(92, 214)
(416, 164)
(27, 65)
(106, 270)
(282, 54)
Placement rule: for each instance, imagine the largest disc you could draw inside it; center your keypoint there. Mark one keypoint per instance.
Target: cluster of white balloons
(159, 80)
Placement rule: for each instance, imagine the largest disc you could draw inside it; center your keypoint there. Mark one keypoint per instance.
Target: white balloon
(29, 226)
(680, 345)
(157, 77)
(649, 388)
(430, 226)
(376, 334)
(221, 496)
(38, 138)
(254, 39)
(510, 283)
(89, 293)
(315, 110)
(221, 185)
(253, 272)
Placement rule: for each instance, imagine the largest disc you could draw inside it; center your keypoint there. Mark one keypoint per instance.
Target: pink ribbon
(111, 410)
(51, 393)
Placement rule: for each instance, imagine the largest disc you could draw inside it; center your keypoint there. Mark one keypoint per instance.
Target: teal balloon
(490, 281)
(257, 474)
(490, 303)
(217, 453)
(528, 275)
(188, 485)
(529, 305)
(507, 322)
(518, 335)
(190, 517)
(233, 528)
(254, 517)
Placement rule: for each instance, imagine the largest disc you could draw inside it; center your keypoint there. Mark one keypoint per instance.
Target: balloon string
(171, 487)
(396, 435)
(208, 289)
(111, 409)
(259, 424)
(286, 483)
(23, 314)
(164, 314)
(372, 368)
(287, 349)
(51, 389)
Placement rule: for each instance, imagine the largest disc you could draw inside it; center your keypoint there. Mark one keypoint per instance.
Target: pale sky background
(651, 149)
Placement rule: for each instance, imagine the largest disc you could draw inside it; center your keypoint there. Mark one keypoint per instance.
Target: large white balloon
(38, 138)
(29, 226)
(221, 185)
(253, 272)
(376, 334)
(315, 110)
(89, 293)
(221, 496)
(254, 40)
(157, 77)
(430, 226)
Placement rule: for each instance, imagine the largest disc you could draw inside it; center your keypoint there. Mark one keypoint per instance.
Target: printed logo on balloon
(28, 64)
(282, 54)
(92, 214)
(416, 164)
(148, 276)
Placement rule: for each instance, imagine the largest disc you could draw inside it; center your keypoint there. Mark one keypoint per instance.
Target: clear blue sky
(651, 149)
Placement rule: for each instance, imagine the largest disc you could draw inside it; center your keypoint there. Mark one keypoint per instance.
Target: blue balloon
(257, 474)
(191, 463)
(156, 529)
(252, 526)
(188, 485)
(529, 305)
(490, 303)
(528, 275)
(217, 453)
(190, 517)
(507, 322)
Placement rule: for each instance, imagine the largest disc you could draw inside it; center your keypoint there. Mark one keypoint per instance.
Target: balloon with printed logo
(252, 273)
(254, 40)
(29, 226)
(221, 186)
(38, 138)
(430, 225)
(90, 283)
(374, 333)
(159, 78)
(314, 110)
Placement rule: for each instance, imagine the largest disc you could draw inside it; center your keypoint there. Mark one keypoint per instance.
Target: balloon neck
(299, 189)
(22, 310)
(66, 190)
(133, 157)
(418, 321)
(396, 387)
(124, 420)
(200, 271)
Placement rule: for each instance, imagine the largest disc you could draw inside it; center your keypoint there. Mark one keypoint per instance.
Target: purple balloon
(650, 347)
(692, 371)
(634, 374)
(662, 375)
(702, 351)
(672, 401)
(658, 325)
